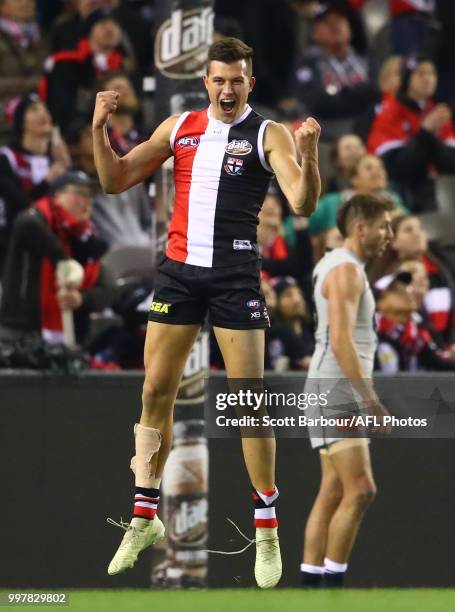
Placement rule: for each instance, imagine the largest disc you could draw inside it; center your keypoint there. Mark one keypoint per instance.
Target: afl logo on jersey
(239, 147)
(233, 166)
(188, 141)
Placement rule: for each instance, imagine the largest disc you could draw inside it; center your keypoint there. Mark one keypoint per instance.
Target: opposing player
(341, 369)
(224, 157)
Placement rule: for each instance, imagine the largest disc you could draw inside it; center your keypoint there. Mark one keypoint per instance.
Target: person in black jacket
(333, 82)
(35, 157)
(53, 264)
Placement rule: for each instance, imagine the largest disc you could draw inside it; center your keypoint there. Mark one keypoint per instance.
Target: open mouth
(227, 105)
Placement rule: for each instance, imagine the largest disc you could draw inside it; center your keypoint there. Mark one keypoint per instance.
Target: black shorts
(231, 296)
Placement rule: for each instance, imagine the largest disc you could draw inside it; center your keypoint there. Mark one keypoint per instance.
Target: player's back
(324, 363)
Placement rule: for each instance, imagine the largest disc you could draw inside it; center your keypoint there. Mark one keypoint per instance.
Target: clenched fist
(106, 104)
(306, 139)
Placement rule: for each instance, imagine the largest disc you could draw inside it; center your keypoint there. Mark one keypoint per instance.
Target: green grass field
(280, 600)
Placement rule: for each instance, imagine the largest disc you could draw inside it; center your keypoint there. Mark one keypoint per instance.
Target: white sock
(331, 567)
(311, 569)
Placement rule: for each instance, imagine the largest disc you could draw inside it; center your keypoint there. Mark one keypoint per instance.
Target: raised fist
(307, 137)
(106, 104)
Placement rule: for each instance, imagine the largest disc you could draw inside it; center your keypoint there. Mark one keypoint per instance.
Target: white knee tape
(148, 442)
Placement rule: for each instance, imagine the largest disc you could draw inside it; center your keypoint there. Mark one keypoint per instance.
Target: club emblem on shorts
(254, 304)
(188, 141)
(160, 307)
(233, 166)
(239, 147)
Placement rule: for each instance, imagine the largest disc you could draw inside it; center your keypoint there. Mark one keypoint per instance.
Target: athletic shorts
(331, 416)
(231, 296)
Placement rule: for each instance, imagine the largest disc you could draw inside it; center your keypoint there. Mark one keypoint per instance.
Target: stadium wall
(65, 448)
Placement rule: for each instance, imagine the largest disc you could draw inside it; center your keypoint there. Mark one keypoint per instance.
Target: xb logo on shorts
(239, 147)
(258, 311)
(160, 307)
(233, 166)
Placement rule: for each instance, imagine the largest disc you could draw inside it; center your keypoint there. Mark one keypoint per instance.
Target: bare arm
(120, 173)
(300, 184)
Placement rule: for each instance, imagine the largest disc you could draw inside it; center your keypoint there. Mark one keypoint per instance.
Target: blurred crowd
(379, 75)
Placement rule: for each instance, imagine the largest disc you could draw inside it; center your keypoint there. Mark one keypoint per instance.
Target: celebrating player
(224, 157)
(341, 367)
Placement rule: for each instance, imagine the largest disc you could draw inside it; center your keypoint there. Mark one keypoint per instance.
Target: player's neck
(215, 115)
(355, 248)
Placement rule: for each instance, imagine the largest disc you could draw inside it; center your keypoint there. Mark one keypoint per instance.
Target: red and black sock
(146, 502)
(264, 507)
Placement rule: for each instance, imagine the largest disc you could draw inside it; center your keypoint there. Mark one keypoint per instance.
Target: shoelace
(234, 552)
(133, 532)
(123, 525)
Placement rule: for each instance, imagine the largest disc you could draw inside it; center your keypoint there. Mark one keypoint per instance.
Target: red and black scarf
(67, 228)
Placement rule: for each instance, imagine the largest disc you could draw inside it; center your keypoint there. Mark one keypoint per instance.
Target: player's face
(376, 236)
(228, 87)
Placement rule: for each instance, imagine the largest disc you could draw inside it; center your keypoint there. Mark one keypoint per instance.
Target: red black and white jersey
(221, 178)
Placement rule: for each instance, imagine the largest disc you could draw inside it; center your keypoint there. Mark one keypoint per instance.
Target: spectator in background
(411, 25)
(54, 237)
(404, 344)
(22, 53)
(415, 137)
(282, 256)
(410, 242)
(292, 327)
(390, 76)
(368, 178)
(122, 219)
(35, 158)
(69, 83)
(70, 28)
(345, 155)
(125, 129)
(332, 82)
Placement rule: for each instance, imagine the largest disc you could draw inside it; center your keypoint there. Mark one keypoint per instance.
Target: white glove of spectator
(69, 274)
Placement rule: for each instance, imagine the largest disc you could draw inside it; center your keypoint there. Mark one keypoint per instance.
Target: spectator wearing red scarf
(71, 76)
(48, 238)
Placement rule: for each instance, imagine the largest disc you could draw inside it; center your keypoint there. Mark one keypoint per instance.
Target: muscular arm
(342, 288)
(300, 184)
(120, 173)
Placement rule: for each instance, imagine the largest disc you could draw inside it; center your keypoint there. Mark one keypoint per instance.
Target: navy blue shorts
(231, 296)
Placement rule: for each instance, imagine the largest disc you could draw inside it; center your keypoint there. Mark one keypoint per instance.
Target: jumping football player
(224, 158)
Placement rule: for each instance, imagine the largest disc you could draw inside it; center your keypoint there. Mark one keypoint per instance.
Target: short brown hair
(364, 207)
(230, 50)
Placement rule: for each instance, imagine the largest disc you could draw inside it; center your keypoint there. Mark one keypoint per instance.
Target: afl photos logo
(239, 147)
(181, 43)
